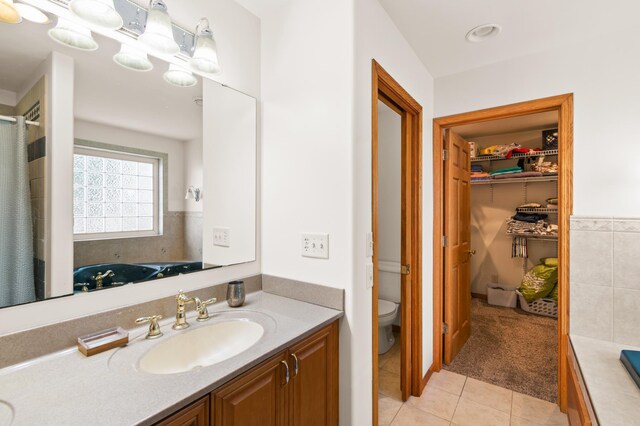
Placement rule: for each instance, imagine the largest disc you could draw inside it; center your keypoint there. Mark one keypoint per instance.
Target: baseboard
(479, 296)
(426, 378)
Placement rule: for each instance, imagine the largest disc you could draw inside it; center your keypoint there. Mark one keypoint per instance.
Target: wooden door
(457, 271)
(256, 398)
(314, 382)
(196, 414)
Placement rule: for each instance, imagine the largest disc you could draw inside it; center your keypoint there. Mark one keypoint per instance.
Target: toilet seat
(386, 308)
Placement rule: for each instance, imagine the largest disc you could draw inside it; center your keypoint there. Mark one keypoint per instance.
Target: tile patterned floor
(452, 399)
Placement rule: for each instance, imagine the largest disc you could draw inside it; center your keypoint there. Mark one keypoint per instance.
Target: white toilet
(387, 312)
(388, 306)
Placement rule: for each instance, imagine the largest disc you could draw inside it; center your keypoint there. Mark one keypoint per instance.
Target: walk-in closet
(514, 254)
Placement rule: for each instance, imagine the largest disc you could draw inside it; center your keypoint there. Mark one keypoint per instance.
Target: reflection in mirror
(153, 188)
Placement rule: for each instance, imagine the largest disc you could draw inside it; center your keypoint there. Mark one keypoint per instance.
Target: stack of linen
(478, 173)
(513, 172)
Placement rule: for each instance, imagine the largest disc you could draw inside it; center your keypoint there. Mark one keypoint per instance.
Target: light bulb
(179, 76)
(158, 33)
(133, 58)
(101, 13)
(205, 54)
(73, 35)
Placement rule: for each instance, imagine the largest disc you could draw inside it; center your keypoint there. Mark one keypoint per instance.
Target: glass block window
(115, 194)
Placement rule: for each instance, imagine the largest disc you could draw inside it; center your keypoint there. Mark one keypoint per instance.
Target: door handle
(295, 365)
(471, 252)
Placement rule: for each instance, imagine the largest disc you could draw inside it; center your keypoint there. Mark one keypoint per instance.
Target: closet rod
(13, 120)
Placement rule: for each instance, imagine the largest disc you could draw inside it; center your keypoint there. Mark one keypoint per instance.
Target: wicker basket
(546, 307)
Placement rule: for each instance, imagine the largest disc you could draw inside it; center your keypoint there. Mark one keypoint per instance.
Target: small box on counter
(104, 340)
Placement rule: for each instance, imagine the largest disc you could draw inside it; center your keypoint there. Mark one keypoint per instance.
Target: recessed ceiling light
(483, 32)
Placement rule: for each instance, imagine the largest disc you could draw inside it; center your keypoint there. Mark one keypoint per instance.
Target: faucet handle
(201, 308)
(154, 328)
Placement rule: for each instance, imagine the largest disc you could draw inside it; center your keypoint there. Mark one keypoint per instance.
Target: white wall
(193, 172)
(175, 150)
(377, 38)
(602, 74)
(389, 203)
(238, 35)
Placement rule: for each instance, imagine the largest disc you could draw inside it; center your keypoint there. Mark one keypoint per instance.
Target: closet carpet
(512, 349)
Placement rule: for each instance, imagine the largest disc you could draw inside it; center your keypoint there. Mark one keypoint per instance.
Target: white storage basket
(546, 307)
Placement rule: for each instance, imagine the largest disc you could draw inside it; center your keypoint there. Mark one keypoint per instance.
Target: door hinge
(405, 269)
(445, 241)
(445, 154)
(445, 328)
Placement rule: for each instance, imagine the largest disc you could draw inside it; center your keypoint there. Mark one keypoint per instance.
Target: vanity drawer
(196, 414)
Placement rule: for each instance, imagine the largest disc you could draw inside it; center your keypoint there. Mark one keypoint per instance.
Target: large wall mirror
(163, 177)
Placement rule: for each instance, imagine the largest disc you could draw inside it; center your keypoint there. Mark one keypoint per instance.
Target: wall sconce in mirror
(180, 77)
(193, 193)
(101, 13)
(158, 33)
(73, 35)
(133, 58)
(31, 14)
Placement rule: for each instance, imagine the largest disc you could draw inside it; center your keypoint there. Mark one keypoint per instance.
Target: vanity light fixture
(179, 76)
(158, 33)
(30, 13)
(483, 32)
(205, 54)
(73, 35)
(8, 12)
(194, 193)
(133, 58)
(101, 13)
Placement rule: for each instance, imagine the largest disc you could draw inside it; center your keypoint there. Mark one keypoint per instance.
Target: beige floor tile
(537, 410)
(389, 384)
(469, 413)
(394, 351)
(410, 416)
(392, 364)
(487, 394)
(519, 421)
(437, 402)
(387, 409)
(447, 381)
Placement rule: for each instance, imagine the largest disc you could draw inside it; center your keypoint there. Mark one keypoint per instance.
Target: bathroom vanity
(288, 377)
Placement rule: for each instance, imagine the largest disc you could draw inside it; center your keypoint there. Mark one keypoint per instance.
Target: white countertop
(67, 388)
(614, 395)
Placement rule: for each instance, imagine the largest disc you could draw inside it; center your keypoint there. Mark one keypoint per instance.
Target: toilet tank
(389, 281)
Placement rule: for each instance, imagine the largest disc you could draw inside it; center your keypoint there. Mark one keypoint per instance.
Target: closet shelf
(551, 178)
(536, 237)
(536, 210)
(523, 155)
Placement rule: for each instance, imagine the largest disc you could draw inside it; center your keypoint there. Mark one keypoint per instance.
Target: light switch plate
(315, 245)
(369, 275)
(221, 236)
(369, 244)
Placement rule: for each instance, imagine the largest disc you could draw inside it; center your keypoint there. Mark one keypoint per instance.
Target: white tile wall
(605, 279)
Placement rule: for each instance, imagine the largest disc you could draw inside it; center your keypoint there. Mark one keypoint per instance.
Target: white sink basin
(201, 347)
(6, 413)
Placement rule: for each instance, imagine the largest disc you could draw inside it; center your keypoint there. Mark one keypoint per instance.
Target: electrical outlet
(369, 244)
(369, 275)
(315, 245)
(221, 236)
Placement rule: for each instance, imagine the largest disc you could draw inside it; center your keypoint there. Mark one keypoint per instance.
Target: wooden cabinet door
(314, 382)
(196, 414)
(256, 398)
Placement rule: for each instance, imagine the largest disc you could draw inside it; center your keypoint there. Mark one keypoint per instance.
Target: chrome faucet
(100, 276)
(181, 317)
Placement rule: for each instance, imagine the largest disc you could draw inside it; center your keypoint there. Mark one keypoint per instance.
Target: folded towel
(515, 175)
(507, 170)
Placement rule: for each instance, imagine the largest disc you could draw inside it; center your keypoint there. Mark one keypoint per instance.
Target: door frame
(386, 88)
(564, 105)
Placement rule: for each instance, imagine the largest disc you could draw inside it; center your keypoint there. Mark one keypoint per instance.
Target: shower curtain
(16, 229)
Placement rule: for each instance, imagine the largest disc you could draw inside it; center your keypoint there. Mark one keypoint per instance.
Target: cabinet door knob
(286, 373)
(295, 364)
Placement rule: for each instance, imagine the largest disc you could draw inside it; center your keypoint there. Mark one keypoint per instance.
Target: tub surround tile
(603, 224)
(20, 347)
(328, 297)
(592, 311)
(626, 252)
(626, 316)
(626, 225)
(591, 257)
